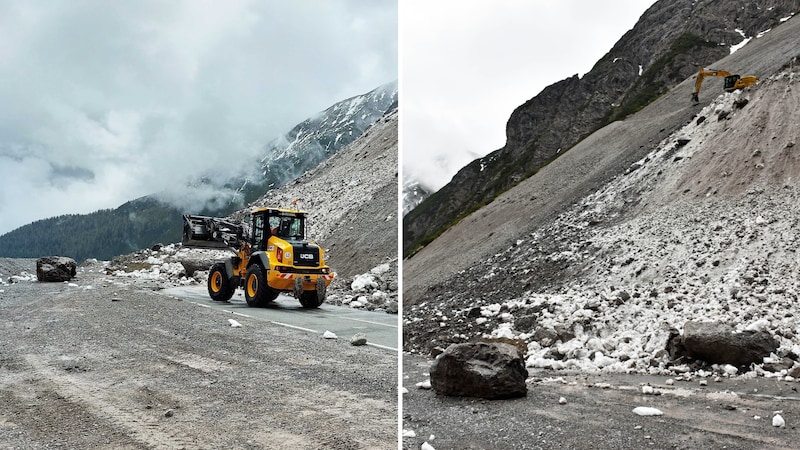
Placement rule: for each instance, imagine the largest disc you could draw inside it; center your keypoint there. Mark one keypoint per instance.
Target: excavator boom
(732, 81)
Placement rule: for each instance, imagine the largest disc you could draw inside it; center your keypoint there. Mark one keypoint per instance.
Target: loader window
(287, 227)
(258, 232)
(274, 224)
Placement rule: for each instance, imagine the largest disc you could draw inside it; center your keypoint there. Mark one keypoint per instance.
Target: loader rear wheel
(257, 292)
(312, 299)
(220, 287)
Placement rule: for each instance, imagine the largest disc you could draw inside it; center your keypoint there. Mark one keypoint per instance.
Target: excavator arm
(706, 73)
(732, 82)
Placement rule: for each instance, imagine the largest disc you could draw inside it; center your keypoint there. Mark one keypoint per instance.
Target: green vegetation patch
(652, 84)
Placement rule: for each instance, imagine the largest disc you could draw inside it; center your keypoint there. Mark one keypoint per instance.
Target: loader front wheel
(257, 292)
(312, 299)
(220, 287)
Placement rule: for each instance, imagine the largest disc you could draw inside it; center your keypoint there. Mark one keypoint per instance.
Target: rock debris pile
(703, 229)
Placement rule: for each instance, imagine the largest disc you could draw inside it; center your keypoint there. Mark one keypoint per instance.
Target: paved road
(380, 328)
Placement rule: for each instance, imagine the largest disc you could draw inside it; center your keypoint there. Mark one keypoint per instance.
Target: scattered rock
(169, 413)
(717, 343)
(329, 335)
(740, 103)
(480, 369)
(777, 366)
(778, 421)
(190, 266)
(358, 339)
(647, 411)
(55, 269)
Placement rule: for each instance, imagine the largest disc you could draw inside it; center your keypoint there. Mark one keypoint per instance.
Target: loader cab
(267, 222)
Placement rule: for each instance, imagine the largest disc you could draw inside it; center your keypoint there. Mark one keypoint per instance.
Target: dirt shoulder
(598, 413)
(106, 363)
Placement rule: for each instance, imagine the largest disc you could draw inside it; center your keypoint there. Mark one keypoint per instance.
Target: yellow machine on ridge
(731, 83)
(272, 256)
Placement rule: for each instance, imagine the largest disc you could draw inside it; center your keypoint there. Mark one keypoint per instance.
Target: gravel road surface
(106, 362)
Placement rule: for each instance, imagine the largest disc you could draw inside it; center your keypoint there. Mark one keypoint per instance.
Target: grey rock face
(717, 343)
(480, 369)
(55, 269)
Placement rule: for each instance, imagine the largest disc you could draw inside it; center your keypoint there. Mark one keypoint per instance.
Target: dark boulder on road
(717, 343)
(480, 369)
(55, 269)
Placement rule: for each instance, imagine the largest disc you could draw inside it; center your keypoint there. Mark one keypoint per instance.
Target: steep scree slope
(352, 200)
(703, 227)
(670, 41)
(582, 170)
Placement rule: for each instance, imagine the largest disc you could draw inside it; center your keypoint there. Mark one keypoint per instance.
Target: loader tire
(257, 292)
(312, 299)
(220, 287)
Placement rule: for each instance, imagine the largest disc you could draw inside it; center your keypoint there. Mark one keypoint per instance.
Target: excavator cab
(729, 82)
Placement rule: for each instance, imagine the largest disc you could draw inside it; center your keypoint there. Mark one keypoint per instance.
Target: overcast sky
(104, 101)
(467, 64)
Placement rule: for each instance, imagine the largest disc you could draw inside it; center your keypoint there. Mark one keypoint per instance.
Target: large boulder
(480, 369)
(192, 265)
(55, 269)
(718, 344)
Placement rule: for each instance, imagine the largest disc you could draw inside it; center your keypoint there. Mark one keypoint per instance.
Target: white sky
(467, 64)
(104, 101)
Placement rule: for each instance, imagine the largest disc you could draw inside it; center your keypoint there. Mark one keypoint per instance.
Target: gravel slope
(699, 229)
(588, 166)
(105, 362)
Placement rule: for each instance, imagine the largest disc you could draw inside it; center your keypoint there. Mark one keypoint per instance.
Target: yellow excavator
(731, 83)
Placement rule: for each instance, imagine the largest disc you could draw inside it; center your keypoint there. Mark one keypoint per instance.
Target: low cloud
(103, 102)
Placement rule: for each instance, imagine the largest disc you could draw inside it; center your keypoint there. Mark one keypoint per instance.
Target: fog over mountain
(104, 102)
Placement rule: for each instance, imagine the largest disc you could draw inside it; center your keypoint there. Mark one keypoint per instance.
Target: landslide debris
(702, 228)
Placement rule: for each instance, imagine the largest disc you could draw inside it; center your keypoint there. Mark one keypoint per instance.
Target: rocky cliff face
(671, 41)
(317, 138)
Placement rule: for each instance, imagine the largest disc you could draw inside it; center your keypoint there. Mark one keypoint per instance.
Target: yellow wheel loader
(272, 256)
(731, 82)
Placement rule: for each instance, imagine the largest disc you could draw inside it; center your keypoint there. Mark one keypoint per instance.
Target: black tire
(256, 291)
(220, 287)
(312, 299)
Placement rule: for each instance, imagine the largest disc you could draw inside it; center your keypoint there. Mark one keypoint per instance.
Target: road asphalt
(380, 328)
